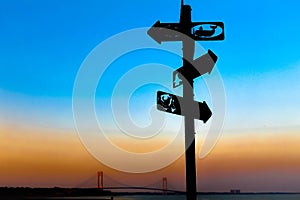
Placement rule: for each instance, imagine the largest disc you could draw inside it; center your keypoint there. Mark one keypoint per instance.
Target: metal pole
(188, 50)
(188, 96)
(185, 26)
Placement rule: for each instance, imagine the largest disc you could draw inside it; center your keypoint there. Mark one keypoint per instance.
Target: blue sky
(43, 44)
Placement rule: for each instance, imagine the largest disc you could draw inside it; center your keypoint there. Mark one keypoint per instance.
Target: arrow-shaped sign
(171, 103)
(161, 32)
(202, 65)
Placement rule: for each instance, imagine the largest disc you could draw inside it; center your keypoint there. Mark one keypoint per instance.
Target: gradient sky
(43, 44)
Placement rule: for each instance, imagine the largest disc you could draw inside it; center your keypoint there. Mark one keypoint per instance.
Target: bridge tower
(100, 180)
(165, 185)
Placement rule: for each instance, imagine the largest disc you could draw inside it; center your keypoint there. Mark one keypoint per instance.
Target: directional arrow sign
(170, 103)
(160, 32)
(205, 112)
(203, 64)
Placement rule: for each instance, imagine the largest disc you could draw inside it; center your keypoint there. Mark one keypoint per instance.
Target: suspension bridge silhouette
(161, 185)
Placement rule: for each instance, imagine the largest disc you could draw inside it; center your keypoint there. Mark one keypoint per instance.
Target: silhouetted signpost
(191, 69)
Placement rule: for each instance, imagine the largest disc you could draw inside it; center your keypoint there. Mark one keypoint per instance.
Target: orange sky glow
(48, 158)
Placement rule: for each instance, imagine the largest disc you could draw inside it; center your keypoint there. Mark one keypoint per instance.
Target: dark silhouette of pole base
(190, 161)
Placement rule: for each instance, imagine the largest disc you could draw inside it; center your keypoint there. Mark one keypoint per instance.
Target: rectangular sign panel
(208, 31)
(171, 103)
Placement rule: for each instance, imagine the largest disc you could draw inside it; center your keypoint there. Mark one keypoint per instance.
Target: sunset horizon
(80, 86)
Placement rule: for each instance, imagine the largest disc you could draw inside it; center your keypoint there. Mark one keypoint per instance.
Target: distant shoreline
(28, 192)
